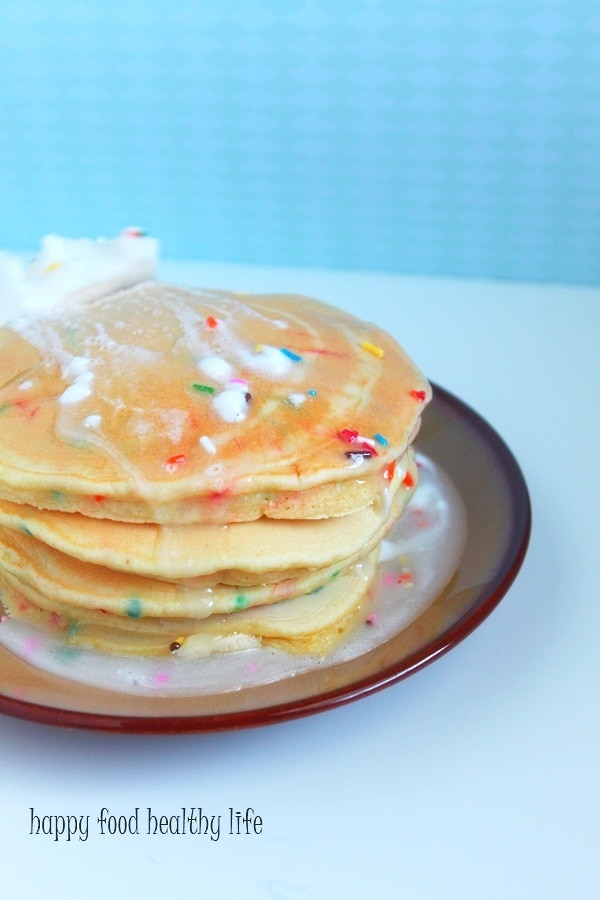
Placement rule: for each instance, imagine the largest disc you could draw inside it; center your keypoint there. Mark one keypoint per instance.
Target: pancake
(311, 623)
(160, 404)
(242, 552)
(200, 471)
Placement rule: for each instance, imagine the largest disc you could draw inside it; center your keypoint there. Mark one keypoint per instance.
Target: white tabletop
(477, 777)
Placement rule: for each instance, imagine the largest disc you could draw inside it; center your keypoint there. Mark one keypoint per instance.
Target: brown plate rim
(484, 602)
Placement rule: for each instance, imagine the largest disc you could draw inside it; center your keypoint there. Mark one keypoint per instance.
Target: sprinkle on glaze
(173, 463)
(291, 355)
(206, 443)
(372, 348)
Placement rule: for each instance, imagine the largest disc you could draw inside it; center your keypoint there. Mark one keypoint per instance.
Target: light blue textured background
(456, 137)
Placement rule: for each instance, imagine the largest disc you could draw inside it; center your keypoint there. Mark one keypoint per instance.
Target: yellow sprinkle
(376, 351)
(259, 348)
(52, 267)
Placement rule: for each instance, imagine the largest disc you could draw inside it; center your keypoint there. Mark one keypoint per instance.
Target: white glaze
(429, 555)
(66, 272)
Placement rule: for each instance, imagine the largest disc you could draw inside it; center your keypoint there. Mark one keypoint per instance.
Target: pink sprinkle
(389, 579)
(31, 645)
(251, 667)
(237, 381)
(161, 678)
(4, 619)
(372, 619)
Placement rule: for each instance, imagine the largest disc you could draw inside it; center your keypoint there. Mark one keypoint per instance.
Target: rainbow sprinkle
(175, 462)
(134, 608)
(290, 354)
(206, 443)
(372, 348)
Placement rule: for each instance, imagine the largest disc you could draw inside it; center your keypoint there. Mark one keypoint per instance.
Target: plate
(496, 499)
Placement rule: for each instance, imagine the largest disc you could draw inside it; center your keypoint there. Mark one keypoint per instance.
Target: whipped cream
(67, 271)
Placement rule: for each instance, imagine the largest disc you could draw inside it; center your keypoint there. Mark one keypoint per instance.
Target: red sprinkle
(98, 498)
(211, 322)
(388, 472)
(404, 578)
(26, 407)
(361, 448)
(419, 395)
(409, 481)
(348, 435)
(175, 462)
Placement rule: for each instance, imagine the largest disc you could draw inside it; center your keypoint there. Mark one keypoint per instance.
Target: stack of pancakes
(188, 472)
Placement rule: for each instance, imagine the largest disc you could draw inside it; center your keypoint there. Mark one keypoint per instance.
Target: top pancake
(165, 404)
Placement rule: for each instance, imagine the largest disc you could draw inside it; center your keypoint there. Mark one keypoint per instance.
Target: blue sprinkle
(312, 393)
(381, 440)
(134, 608)
(291, 355)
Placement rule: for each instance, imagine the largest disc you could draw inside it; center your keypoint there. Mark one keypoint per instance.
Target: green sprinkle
(25, 529)
(241, 602)
(66, 654)
(134, 608)
(58, 497)
(4, 408)
(203, 388)
(73, 629)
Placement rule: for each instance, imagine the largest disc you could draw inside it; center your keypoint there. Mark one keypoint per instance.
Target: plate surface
(497, 503)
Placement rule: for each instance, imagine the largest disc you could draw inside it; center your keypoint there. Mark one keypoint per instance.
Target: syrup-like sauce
(417, 560)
